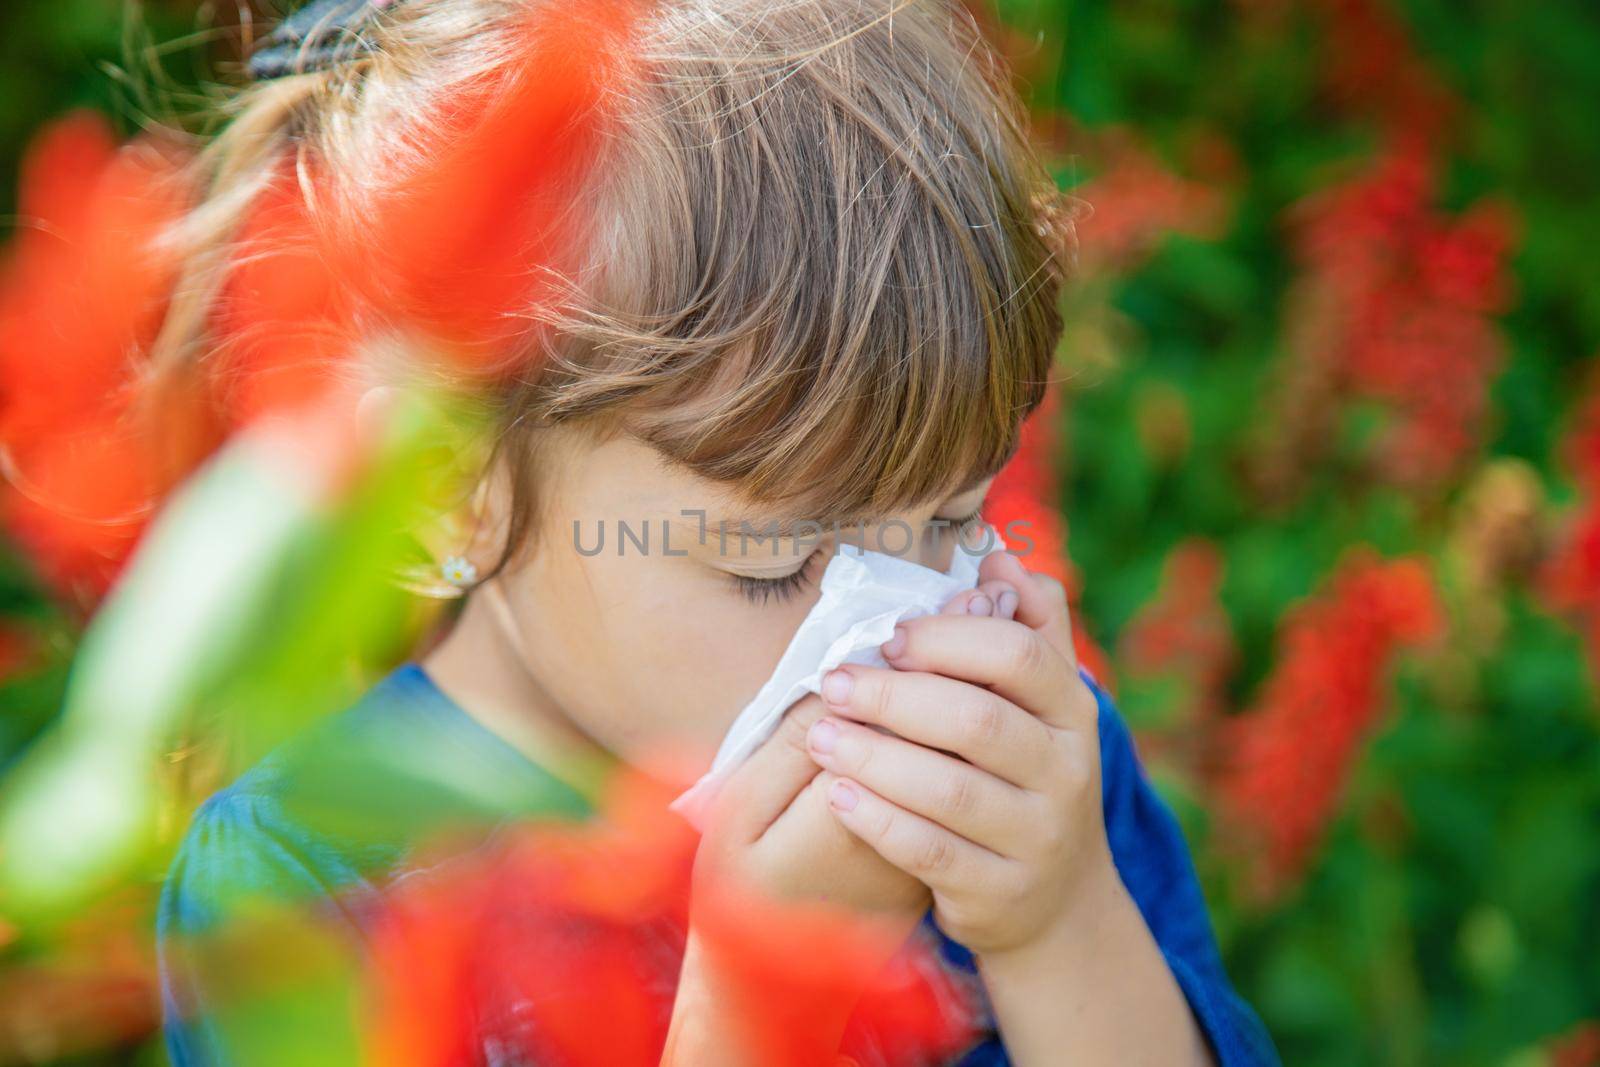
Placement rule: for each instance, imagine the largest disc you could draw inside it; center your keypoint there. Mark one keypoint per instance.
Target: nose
(920, 539)
(940, 548)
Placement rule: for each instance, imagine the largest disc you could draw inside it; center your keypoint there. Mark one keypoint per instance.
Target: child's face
(651, 644)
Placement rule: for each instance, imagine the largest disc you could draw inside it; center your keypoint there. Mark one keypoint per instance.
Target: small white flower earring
(459, 572)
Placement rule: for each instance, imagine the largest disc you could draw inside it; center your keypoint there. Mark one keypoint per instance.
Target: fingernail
(843, 796)
(1007, 604)
(824, 735)
(836, 687)
(895, 645)
(980, 605)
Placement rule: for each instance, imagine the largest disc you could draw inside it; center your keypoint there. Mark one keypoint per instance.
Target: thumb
(764, 786)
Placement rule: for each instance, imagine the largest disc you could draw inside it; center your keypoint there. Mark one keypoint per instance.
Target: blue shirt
(333, 814)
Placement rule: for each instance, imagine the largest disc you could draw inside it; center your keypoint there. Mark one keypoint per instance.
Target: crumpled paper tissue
(864, 594)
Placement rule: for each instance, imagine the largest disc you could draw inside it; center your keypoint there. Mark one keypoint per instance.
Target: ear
(474, 527)
(487, 515)
(463, 501)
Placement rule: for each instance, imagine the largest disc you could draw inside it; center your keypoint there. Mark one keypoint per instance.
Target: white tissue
(864, 594)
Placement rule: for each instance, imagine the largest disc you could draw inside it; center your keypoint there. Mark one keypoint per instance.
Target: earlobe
(466, 535)
(459, 528)
(460, 572)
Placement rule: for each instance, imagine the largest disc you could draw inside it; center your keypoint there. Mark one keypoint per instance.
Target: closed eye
(763, 590)
(785, 587)
(966, 520)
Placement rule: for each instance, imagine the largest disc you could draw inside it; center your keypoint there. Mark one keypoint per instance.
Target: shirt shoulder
(246, 879)
(309, 836)
(240, 853)
(344, 802)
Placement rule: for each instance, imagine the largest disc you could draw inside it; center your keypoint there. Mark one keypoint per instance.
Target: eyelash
(962, 523)
(760, 591)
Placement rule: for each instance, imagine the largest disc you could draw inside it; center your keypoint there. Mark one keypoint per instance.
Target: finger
(767, 783)
(970, 721)
(942, 860)
(807, 818)
(1041, 601)
(1000, 583)
(956, 795)
(1005, 598)
(997, 599)
(967, 602)
(1012, 659)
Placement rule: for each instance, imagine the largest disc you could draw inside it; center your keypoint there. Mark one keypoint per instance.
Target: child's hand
(770, 832)
(988, 787)
(771, 838)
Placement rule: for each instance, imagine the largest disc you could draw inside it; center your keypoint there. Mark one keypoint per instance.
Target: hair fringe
(824, 254)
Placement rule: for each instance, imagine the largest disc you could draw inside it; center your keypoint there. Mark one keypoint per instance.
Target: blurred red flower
(285, 321)
(1287, 757)
(1569, 578)
(456, 248)
(1371, 67)
(19, 649)
(1135, 201)
(1023, 504)
(1396, 307)
(561, 944)
(82, 293)
(1578, 1047)
(1183, 636)
(453, 251)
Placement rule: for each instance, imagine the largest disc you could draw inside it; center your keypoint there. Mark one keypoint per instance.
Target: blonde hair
(823, 265)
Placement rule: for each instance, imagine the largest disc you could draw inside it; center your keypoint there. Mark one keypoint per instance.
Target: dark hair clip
(316, 37)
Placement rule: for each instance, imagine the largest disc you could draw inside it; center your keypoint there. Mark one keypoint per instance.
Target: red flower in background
(1184, 637)
(1287, 758)
(1396, 302)
(561, 944)
(1370, 66)
(1569, 580)
(1024, 505)
(1395, 307)
(1136, 201)
(1578, 1047)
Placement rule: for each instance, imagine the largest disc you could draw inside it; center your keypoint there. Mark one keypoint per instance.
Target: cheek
(719, 651)
(652, 655)
(677, 640)
(704, 650)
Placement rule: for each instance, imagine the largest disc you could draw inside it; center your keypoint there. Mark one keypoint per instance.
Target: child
(815, 285)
